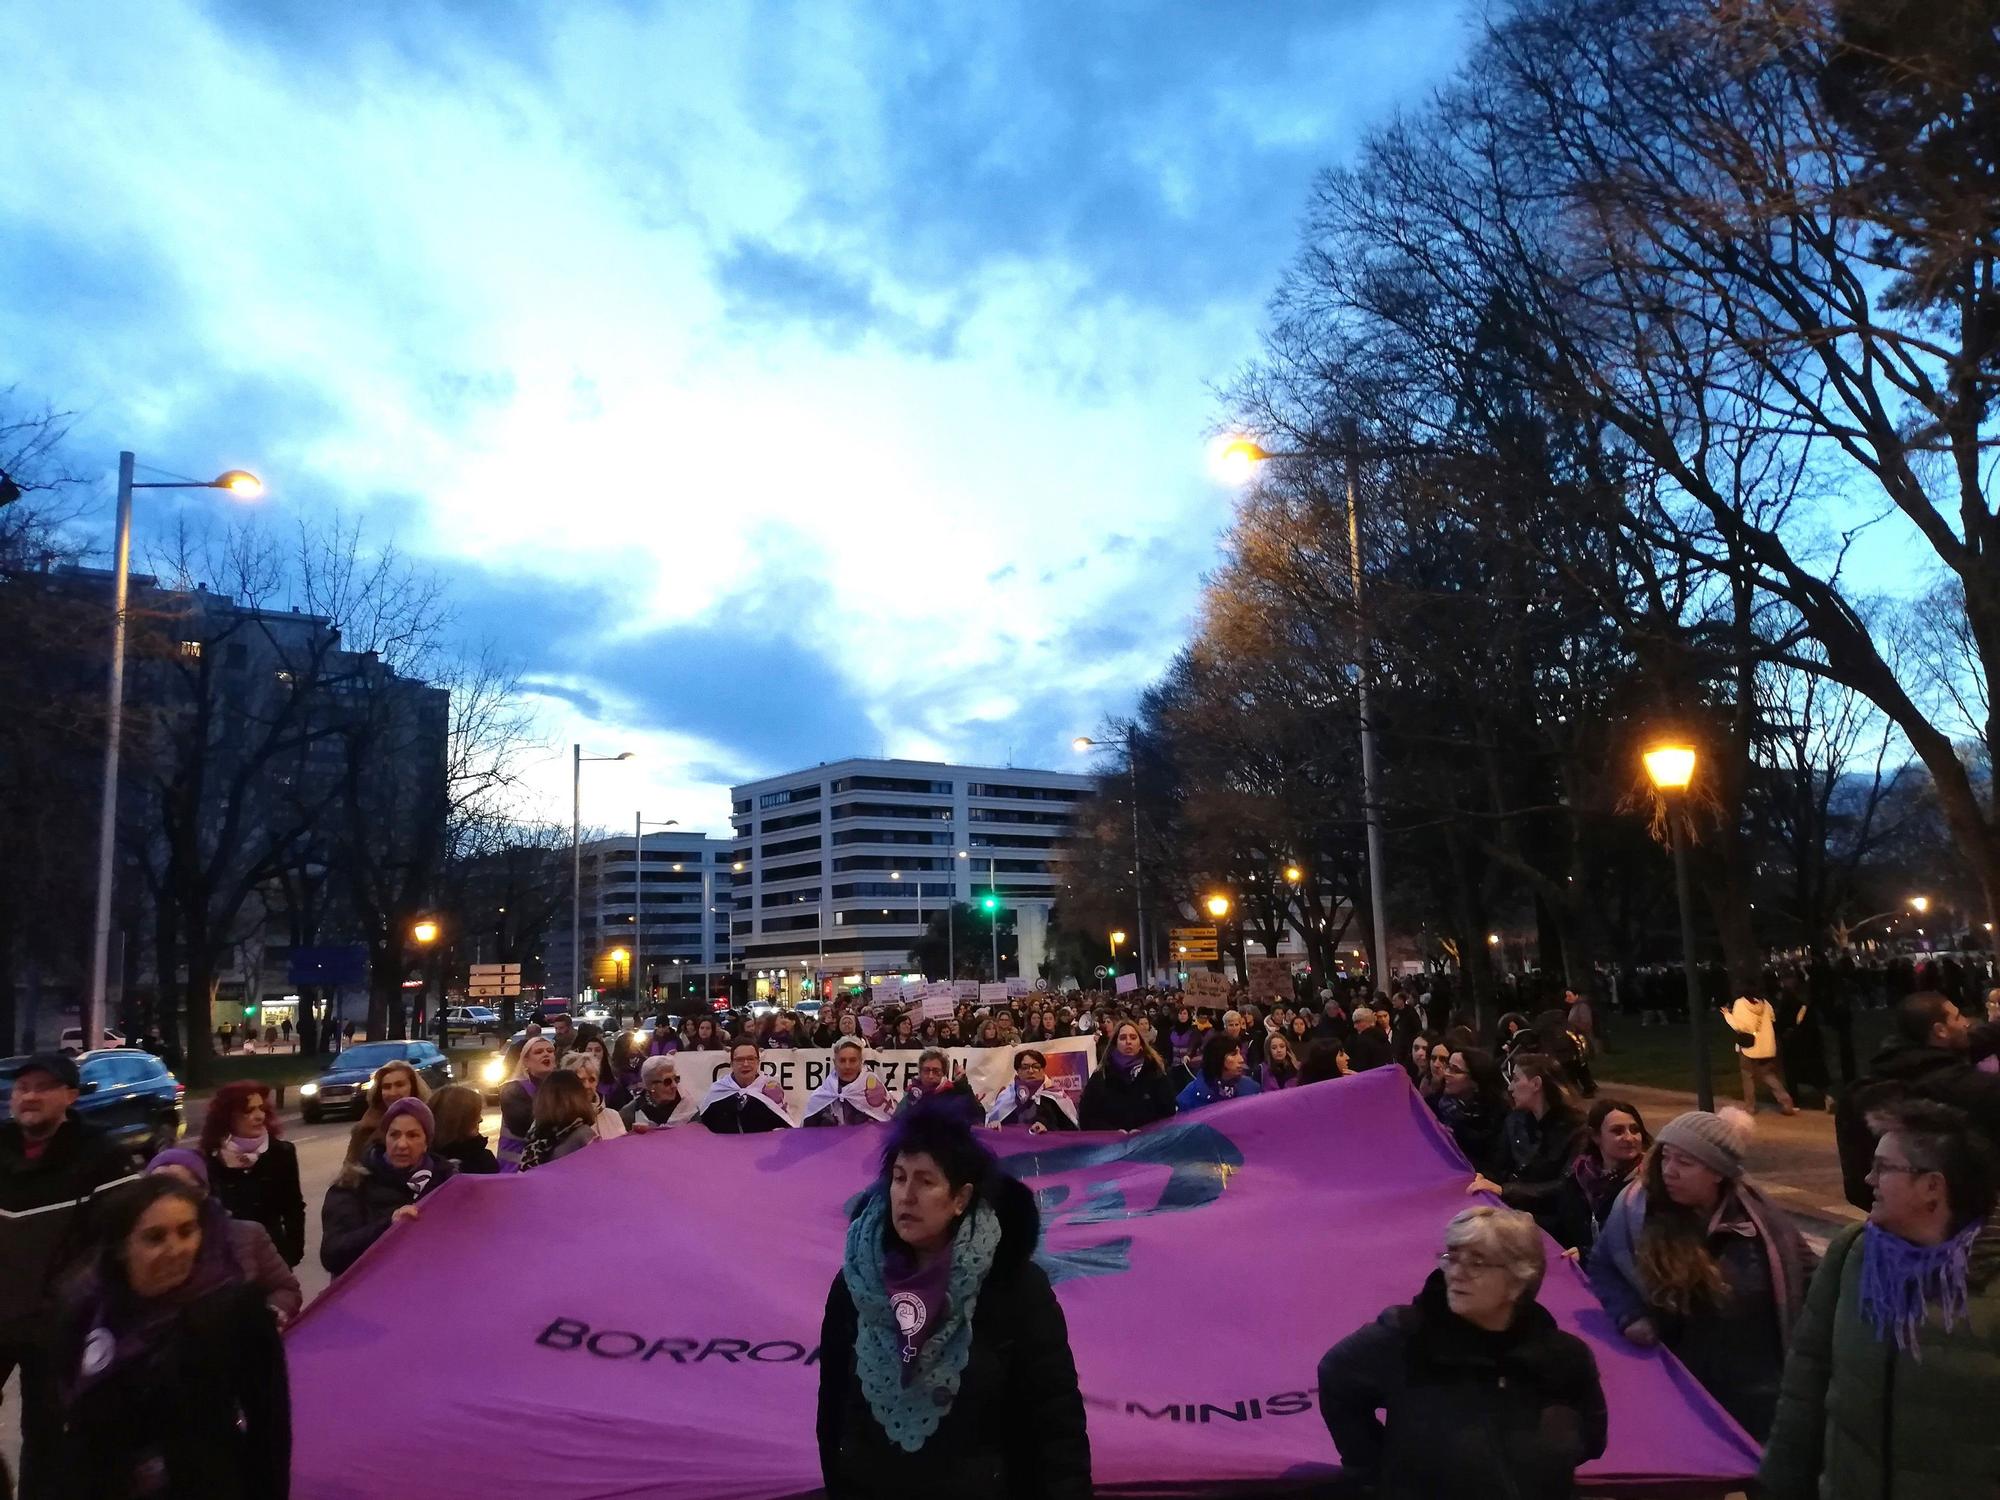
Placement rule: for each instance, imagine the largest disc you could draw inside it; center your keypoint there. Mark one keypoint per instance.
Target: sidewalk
(1792, 1157)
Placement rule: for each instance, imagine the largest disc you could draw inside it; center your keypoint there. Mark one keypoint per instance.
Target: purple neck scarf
(1898, 1279)
(917, 1297)
(1129, 1066)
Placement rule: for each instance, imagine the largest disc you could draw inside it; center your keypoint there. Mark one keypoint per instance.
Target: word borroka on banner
(677, 1355)
(987, 1069)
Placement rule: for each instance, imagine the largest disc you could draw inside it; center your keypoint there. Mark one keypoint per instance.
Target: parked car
(127, 1093)
(342, 1089)
(72, 1039)
(472, 1020)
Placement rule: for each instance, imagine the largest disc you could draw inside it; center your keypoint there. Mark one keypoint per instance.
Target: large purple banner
(642, 1319)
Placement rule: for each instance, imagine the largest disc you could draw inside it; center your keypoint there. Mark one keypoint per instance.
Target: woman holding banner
(1130, 1089)
(1482, 1393)
(945, 1368)
(1026, 1102)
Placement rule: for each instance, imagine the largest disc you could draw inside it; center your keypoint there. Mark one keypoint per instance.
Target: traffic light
(990, 902)
(249, 1010)
(1111, 969)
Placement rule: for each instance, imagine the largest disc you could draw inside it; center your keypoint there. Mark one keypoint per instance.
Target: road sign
(493, 981)
(1197, 952)
(1192, 934)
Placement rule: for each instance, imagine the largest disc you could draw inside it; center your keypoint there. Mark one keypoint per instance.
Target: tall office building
(839, 868)
(684, 899)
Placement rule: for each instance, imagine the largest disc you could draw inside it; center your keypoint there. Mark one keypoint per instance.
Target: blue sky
(772, 382)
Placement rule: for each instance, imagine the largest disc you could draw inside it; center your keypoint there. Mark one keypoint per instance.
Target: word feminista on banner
(988, 1069)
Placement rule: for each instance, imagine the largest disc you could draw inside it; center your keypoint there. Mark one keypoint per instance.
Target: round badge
(97, 1351)
(909, 1310)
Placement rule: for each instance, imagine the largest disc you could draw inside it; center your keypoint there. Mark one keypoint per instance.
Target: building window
(791, 794)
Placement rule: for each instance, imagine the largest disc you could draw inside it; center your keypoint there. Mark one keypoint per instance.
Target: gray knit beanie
(1716, 1141)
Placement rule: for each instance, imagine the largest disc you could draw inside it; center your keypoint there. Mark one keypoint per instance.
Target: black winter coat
(45, 1204)
(1370, 1049)
(362, 1203)
(266, 1192)
(1901, 1070)
(212, 1403)
(1470, 1414)
(471, 1155)
(739, 1116)
(1535, 1157)
(1112, 1101)
(1475, 1126)
(1015, 1430)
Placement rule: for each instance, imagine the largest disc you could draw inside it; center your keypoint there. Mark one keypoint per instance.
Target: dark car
(342, 1088)
(127, 1093)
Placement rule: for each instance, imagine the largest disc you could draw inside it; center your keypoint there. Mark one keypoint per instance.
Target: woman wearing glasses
(1483, 1395)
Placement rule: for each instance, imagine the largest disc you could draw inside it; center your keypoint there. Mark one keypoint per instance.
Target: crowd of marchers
(147, 1300)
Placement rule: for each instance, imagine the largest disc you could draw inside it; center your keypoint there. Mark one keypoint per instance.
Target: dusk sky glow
(771, 383)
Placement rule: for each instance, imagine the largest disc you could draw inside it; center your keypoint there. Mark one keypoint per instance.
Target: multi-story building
(680, 912)
(842, 866)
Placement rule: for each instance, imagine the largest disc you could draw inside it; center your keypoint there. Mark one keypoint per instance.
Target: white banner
(990, 1069)
(966, 989)
(991, 993)
(939, 1007)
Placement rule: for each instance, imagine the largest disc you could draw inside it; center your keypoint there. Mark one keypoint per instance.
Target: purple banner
(641, 1319)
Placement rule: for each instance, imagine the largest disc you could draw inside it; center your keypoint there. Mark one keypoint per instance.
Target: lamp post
(1084, 742)
(639, 824)
(1671, 768)
(425, 931)
(951, 918)
(1237, 460)
(577, 758)
(245, 486)
(621, 958)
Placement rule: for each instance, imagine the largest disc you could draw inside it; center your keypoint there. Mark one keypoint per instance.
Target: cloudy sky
(771, 382)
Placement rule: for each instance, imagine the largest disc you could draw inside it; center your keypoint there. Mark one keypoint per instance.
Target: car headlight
(308, 1089)
(494, 1071)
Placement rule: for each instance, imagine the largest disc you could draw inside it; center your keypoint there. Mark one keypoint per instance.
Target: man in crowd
(1369, 1047)
(52, 1167)
(1933, 1054)
(564, 1036)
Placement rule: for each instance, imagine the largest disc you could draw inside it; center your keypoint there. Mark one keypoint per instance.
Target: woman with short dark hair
(1538, 1141)
(945, 1368)
(457, 1110)
(169, 1368)
(1899, 1346)
(1225, 1074)
(1614, 1142)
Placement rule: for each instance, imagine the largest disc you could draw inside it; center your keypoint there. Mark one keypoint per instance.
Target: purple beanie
(180, 1156)
(411, 1106)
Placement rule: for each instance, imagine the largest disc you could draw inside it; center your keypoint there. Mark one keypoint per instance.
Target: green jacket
(1859, 1421)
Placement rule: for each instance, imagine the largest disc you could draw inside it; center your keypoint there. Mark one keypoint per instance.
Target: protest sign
(993, 994)
(1270, 978)
(1206, 988)
(989, 1069)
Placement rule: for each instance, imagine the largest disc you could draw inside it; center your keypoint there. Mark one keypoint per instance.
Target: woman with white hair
(1482, 1393)
(660, 1103)
(605, 1123)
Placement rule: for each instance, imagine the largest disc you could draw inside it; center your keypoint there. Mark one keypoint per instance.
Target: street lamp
(1671, 768)
(1236, 460)
(1117, 937)
(1218, 906)
(1293, 874)
(244, 486)
(577, 758)
(425, 931)
(639, 824)
(1083, 743)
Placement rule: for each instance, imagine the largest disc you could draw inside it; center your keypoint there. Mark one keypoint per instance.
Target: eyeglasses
(1466, 1262)
(1876, 1169)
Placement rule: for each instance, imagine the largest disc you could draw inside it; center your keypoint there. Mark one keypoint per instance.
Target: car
(72, 1039)
(472, 1020)
(127, 1093)
(343, 1088)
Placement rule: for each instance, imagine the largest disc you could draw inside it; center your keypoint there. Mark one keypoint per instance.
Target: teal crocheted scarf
(910, 1413)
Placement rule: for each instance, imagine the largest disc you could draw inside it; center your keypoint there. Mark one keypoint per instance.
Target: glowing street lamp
(1218, 906)
(1671, 766)
(244, 486)
(1920, 904)
(1293, 874)
(577, 758)
(425, 932)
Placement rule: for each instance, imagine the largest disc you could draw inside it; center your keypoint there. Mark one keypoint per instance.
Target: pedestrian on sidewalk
(1756, 1028)
(1898, 1352)
(1695, 1257)
(1933, 1054)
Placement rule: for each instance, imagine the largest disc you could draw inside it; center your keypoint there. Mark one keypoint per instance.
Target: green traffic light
(990, 903)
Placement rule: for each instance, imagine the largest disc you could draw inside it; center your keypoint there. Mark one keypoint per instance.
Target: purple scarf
(1129, 1066)
(1898, 1279)
(917, 1298)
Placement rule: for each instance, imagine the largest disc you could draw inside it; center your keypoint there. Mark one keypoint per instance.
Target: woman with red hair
(251, 1172)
